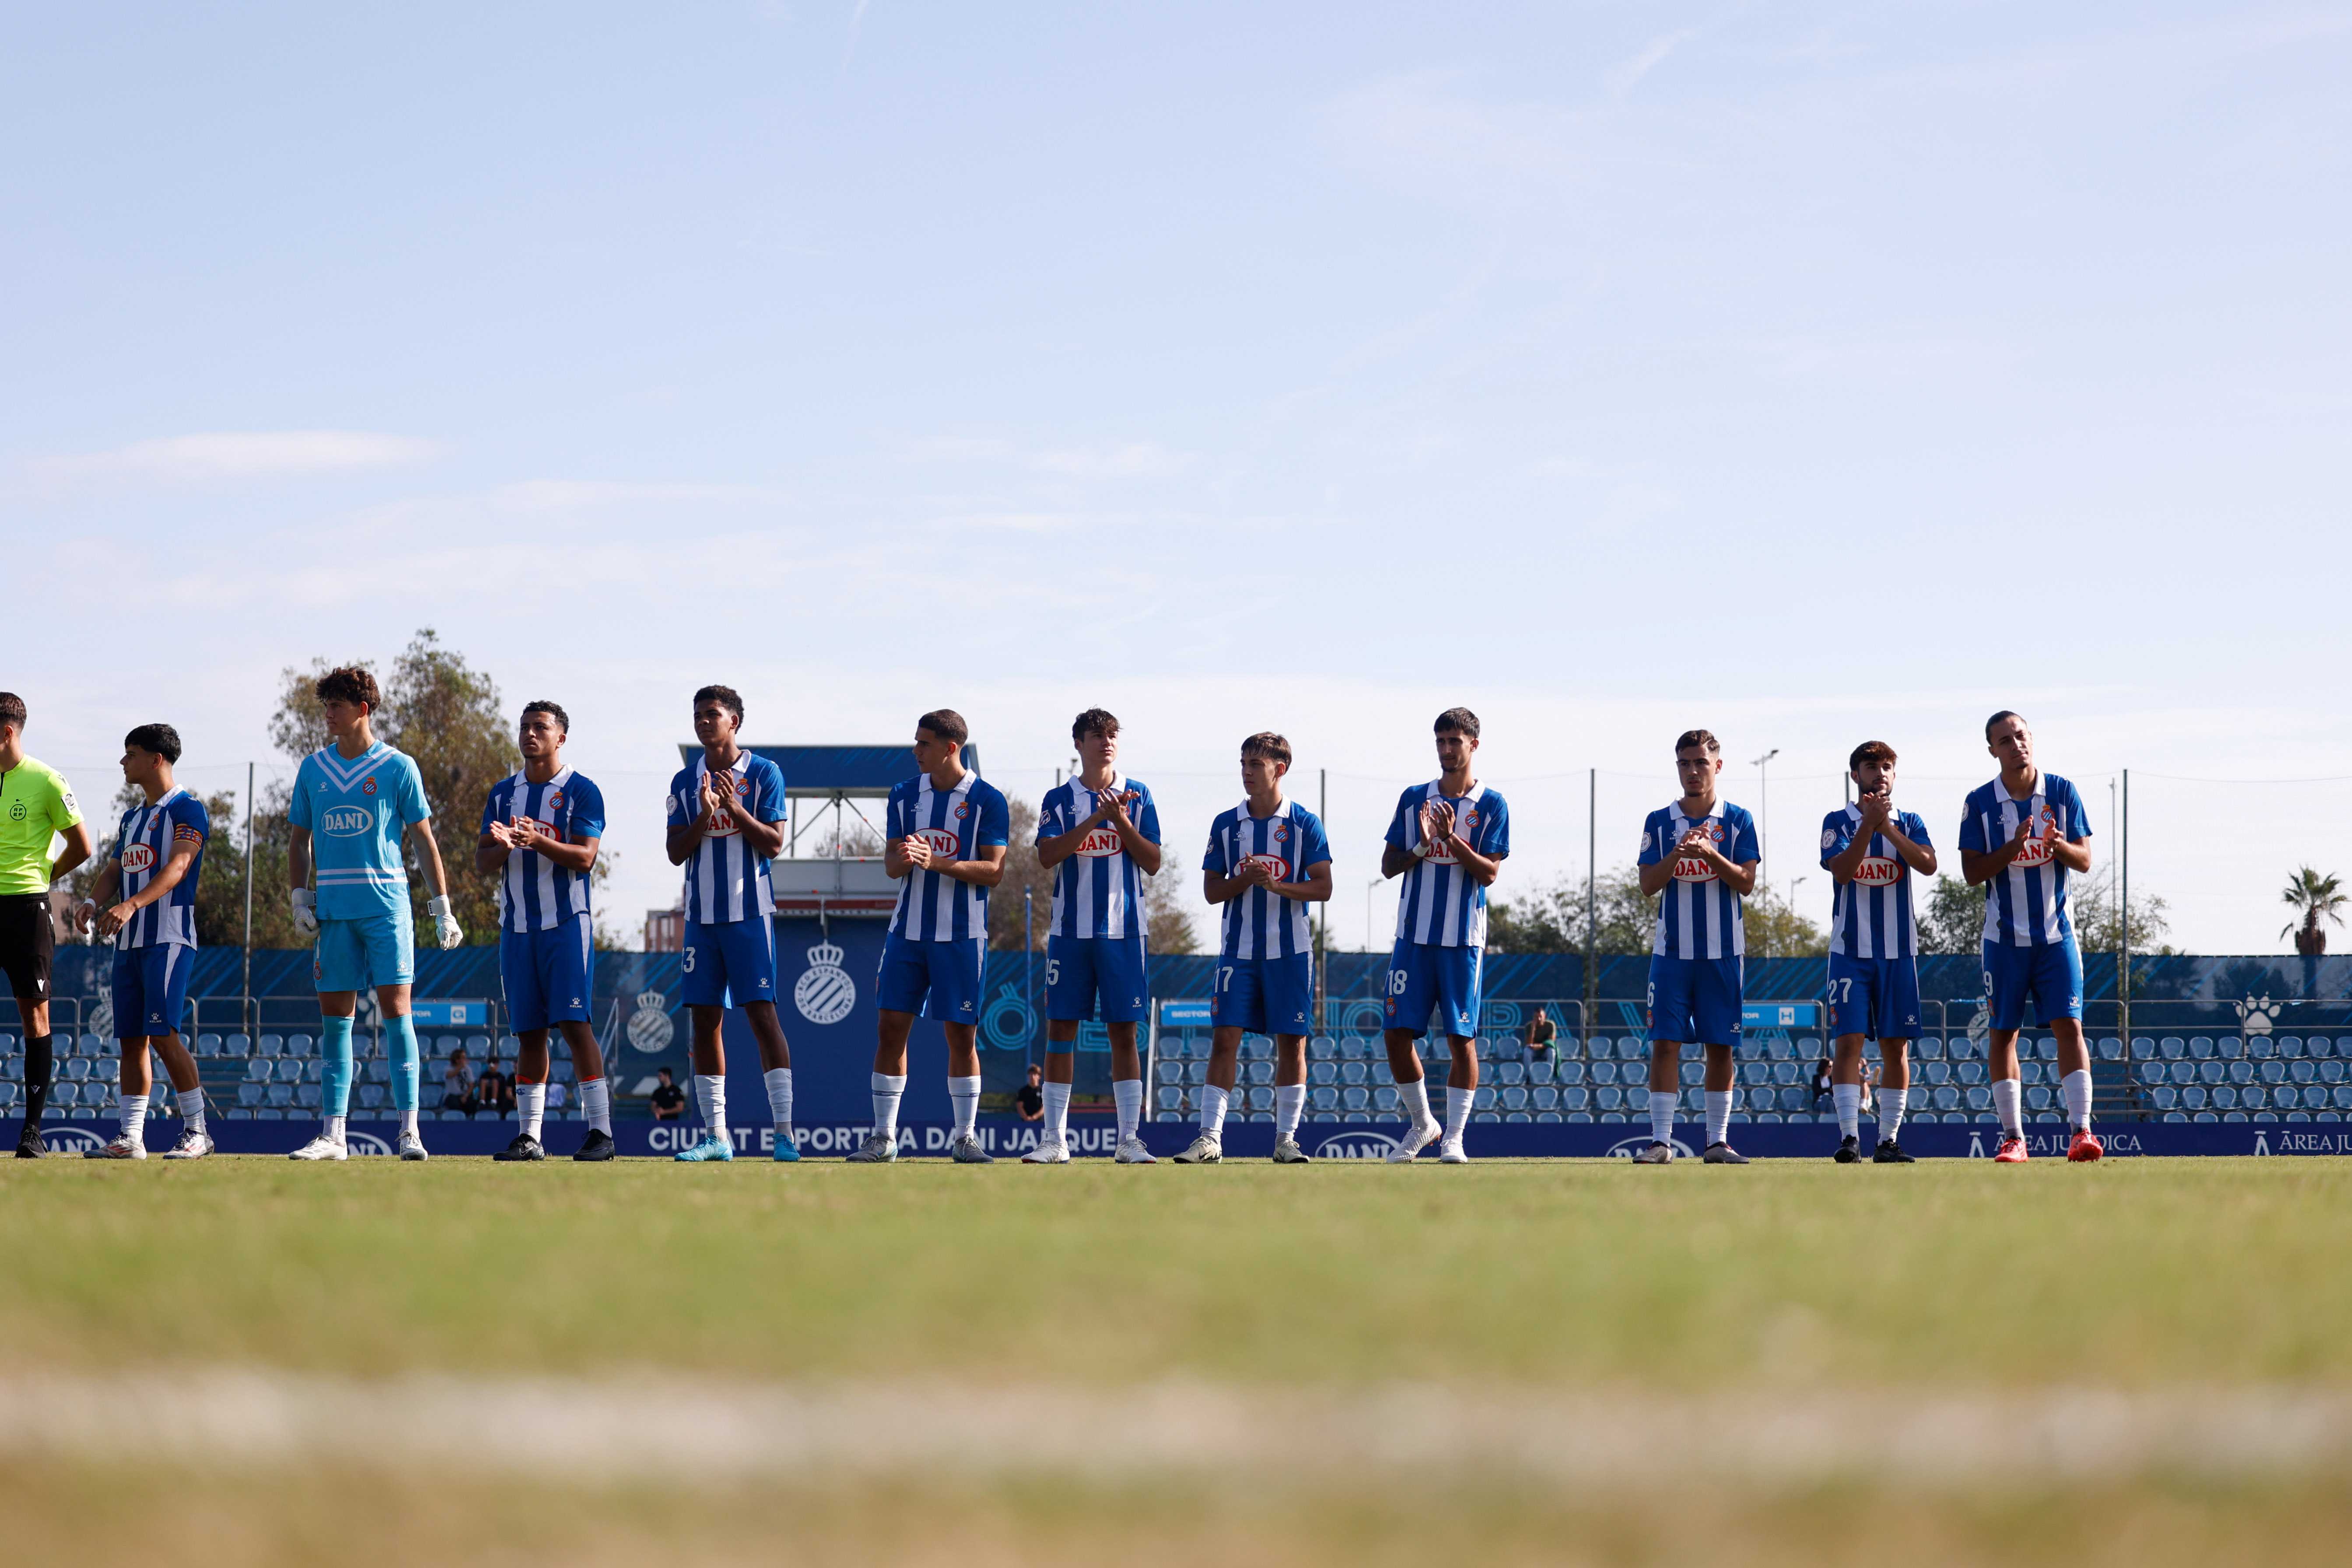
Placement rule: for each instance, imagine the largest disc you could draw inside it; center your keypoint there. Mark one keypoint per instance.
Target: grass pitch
(1688, 1281)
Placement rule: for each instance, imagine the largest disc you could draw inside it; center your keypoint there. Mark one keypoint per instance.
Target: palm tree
(2317, 897)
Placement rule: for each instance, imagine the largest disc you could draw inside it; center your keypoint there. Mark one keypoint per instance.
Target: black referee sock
(39, 1062)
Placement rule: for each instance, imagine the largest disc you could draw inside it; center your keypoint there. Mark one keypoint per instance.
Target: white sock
(192, 1107)
(335, 1127)
(1212, 1111)
(1127, 1094)
(135, 1116)
(888, 1090)
(1662, 1114)
(2006, 1093)
(596, 1104)
(2076, 1087)
(1719, 1115)
(1416, 1096)
(1848, 1099)
(1289, 1105)
(1890, 1113)
(407, 1120)
(531, 1108)
(964, 1093)
(779, 1098)
(1057, 1113)
(711, 1093)
(1458, 1103)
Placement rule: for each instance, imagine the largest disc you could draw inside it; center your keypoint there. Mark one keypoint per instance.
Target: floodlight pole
(2123, 985)
(245, 1012)
(1028, 944)
(1323, 914)
(1591, 902)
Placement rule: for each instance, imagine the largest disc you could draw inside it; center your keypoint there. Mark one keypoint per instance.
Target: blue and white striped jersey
(726, 882)
(1098, 892)
(1698, 915)
(1871, 916)
(1259, 923)
(357, 808)
(956, 824)
(2025, 906)
(1440, 904)
(143, 847)
(535, 893)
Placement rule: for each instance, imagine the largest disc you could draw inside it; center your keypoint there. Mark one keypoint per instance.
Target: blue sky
(1813, 373)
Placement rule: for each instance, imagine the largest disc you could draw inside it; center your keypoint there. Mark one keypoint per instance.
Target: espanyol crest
(826, 994)
(649, 1027)
(102, 1017)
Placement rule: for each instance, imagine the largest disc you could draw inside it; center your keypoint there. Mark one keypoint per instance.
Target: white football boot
(1415, 1139)
(322, 1147)
(1050, 1154)
(1131, 1151)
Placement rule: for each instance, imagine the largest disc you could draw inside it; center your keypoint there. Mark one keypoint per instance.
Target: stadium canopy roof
(839, 773)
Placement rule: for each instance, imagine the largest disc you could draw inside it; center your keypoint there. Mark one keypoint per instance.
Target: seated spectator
(1541, 1033)
(494, 1091)
(668, 1099)
(555, 1096)
(1029, 1100)
(458, 1083)
(1821, 1081)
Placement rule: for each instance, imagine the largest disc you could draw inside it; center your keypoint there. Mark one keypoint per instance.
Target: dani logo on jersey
(944, 845)
(1099, 841)
(2044, 832)
(346, 821)
(1275, 864)
(1877, 871)
(1690, 867)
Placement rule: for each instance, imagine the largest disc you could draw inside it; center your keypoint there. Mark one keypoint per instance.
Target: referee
(36, 806)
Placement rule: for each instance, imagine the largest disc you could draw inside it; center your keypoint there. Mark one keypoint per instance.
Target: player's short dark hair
(1266, 743)
(1461, 721)
(1997, 718)
(1690, 738)
(1870, 752)
(947, 724)
(553, 709)
(352, 683)
(160, 739)
(12, 709)
(1092, 720)
(726, 697)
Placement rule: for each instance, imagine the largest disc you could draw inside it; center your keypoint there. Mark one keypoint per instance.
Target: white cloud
(244, 455)
(1623, 78)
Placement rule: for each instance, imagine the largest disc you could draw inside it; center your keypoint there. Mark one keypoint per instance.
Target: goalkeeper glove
(306, 918)
(445, 930)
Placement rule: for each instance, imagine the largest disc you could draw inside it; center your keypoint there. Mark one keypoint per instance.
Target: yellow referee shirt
(36, 804)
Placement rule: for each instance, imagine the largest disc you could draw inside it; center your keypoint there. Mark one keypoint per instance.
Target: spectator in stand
(494, 1090)
(1029, 1100)
(458, 1083)
(1821, 1082)
(1541, 1033)
(556, 1095)
(668, 1099)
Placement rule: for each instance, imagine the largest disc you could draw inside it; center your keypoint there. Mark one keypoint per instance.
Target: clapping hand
(1436, 822)
(917, 849)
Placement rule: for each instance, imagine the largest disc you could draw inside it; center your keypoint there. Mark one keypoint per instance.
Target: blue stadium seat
(1323, 1073)
(2211, 1072)
(1512, 1097)
(2262, 1047)
(1543, 1072)
(1384, 1100)
(300, 1046)
(1575, 1100)
(2288, 1045)
(1755, 1074)
(2222, 1097)
(1604, 1072)
(1780, 1051)
(66, 1095)
(1171, 1072)
(1794, 1097)
(208, 1045)
(477, 1046)
(1569, 1072)
(1632, 1047)
(1355, 1072)
(1257, 1072)
(1323, 1046)
(1354, 1048)
(281, 1095)
(1945, 1098)
(1935, 1072)
(2242, 1071)
(1323, 1099)
(2229, 1047)
(2151, 1072)
(2192, 1097)
(2173, 1047)
(1694, 1070)
(2330, 1071)
(370, 1096)
(2273, 1070)
(1355, 1100)
(1544, 1097)
(1510, 1072)
(2111, 1049)
(8, 1092)
(1970, 1072)
(2201, 1046)
(1784, 1073)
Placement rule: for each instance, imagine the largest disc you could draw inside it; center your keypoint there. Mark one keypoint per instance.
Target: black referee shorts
(27, 941)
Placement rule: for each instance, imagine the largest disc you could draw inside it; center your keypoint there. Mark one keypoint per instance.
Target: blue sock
(402, 1031)
(335, 1049)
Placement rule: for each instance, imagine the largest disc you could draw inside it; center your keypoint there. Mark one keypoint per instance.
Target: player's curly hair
(553, 709)
(160, 739)
(352, 683)
(1266, 743)
(1091, 721)
(726, 697)
(947, 724)
(1870, 752)
(1461, 721)
(1705, 738)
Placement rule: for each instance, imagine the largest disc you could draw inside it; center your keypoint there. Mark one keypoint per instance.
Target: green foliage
(220, 884)
(1951, 920)
(1552, 919)
(2314, 899)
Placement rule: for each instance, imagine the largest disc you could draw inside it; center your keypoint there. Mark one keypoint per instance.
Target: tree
(1167, 927)
(1953, 919)
(1775, 930)
(2315, 897)
(1551, 919)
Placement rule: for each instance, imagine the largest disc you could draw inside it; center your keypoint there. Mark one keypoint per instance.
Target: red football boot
(2011, 1152)
(2085, 1147)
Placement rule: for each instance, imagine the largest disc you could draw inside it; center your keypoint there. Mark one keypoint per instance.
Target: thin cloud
(244, 455)
(1623, 78)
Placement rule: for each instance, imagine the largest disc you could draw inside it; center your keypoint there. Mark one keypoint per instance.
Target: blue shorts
(1875, 996)
(729, 963)
(939, 980)
(1271, 995)
(1083, 970)
(1423, 977)
(151, 989)
(355, 954)
(2053, 974)
(546, 973)
(1696, 1001)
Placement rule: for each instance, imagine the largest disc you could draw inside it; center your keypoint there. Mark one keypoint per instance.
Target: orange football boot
(2011, 1152)
(2085, 1147)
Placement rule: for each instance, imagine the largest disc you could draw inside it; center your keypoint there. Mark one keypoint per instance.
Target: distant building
(666, 931)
